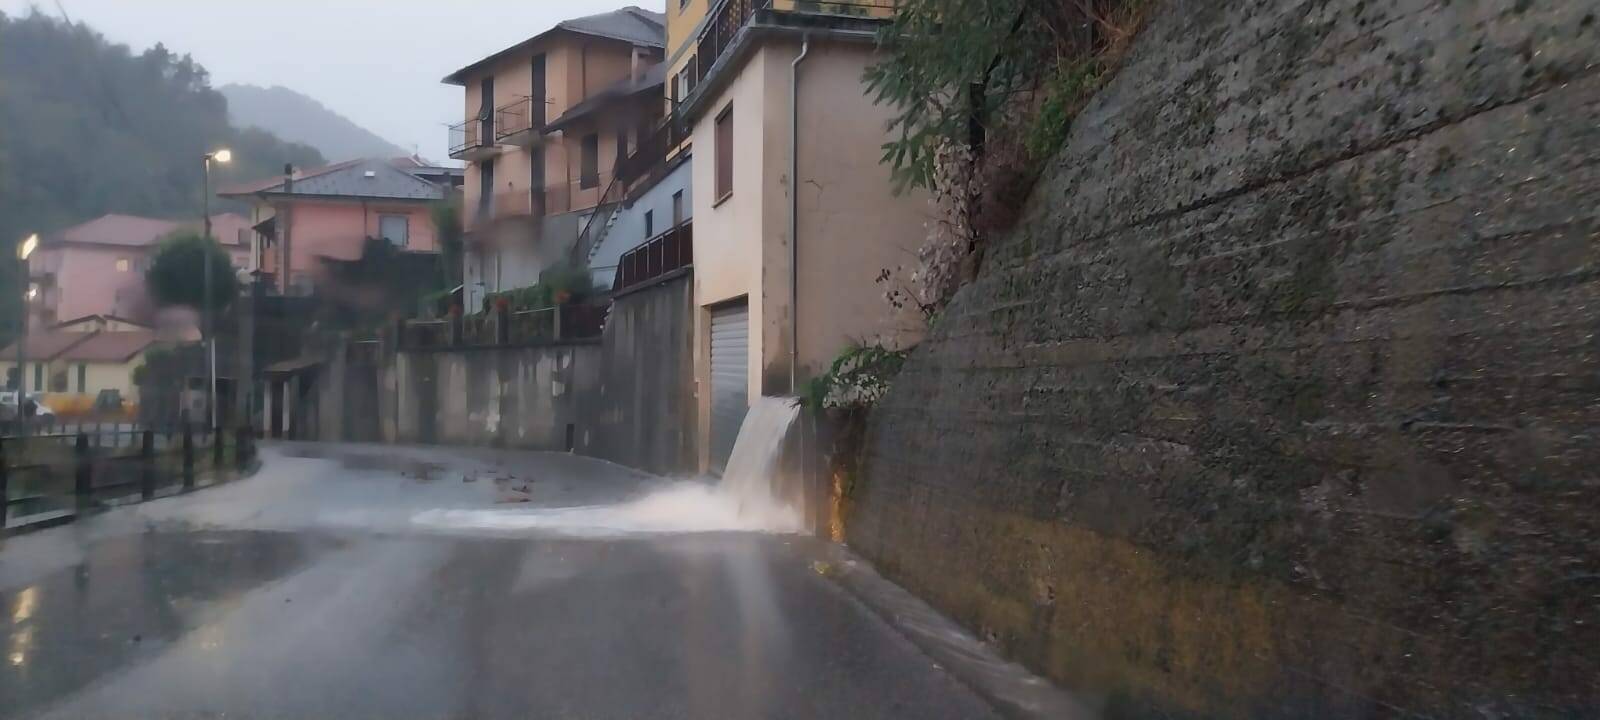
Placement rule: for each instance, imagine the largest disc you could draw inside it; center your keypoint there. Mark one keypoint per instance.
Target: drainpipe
(794, 213)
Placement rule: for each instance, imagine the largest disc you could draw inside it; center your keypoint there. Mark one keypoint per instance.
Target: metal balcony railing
(728, 17)
(470, 135)
(523, 115)
(658, 256)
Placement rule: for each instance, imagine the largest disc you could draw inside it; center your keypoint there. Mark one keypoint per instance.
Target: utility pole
(221, 156)
(24, 249)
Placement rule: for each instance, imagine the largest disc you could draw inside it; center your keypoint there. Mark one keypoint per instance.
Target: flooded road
(311, 590)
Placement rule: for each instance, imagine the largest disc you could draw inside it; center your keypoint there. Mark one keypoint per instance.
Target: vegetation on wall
(984, 93)
(858, 377)
(557, 286)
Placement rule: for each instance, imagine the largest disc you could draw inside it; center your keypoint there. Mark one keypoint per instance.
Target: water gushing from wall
(751, 478)
(748, 498)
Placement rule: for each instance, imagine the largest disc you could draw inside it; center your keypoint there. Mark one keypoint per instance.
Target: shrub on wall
(985, 93)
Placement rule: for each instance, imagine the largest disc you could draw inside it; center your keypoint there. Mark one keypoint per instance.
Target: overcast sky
(377, 62)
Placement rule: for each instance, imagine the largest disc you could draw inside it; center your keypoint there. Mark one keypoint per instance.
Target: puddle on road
(129, 598)
(683, 507)
(744, 501)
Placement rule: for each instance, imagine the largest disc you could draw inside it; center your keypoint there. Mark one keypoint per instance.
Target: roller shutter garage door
(730, 362)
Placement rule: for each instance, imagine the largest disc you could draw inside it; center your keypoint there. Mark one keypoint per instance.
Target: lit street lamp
(24, 249)
(222, 156)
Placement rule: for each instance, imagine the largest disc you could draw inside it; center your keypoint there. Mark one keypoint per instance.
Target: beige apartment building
(546, 122)
(772, 91)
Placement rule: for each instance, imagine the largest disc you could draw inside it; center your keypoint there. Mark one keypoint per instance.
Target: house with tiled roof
(328, 213)
(97, 267)
(75, 361)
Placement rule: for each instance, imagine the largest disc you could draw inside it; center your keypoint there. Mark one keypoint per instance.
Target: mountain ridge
(297, 117)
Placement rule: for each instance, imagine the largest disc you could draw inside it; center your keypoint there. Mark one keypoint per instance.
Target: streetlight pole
(24, 249)
(220, 156)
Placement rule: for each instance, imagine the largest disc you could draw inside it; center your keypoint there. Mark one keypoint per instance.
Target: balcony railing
(579, 194)
(658, 256)
(553, 199)
(649, 157)
(728, 17)
(520, 122)
(470, 137)
(513, 203)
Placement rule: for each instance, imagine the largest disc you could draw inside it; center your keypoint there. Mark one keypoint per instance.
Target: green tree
(950, 66)
(177, 274)
(957, 70)
(446, 217)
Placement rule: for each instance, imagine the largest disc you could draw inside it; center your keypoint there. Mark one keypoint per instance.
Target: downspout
(794, 213)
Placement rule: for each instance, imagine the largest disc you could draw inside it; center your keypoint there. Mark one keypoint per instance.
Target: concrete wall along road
(1281, 400)
(522, 397)
(627, 396)
(644, 413)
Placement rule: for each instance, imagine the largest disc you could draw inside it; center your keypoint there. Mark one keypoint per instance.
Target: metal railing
(524, 114)
(470, 134)
(657, 256)
(505, 327)
(728, 17)
(579, 194)
(50, 478)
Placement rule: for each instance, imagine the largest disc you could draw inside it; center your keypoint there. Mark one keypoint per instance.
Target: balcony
(520, 122)
(472, 140)
(658, 256)
(728, 18)
(517, 203)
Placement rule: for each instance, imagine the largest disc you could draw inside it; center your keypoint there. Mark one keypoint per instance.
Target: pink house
(330, 212)
(97, 267)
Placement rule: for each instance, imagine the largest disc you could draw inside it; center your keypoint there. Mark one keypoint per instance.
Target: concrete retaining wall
(1281, 401)
(627, 397)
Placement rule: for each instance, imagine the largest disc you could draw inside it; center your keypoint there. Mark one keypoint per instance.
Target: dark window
(485, 187)
(677, 208)
(622, 145)
(589, 162)
(38, 376)
(724, 154)
(11, 378)
(536, 178)
(83, 378)
(536, 99)
(486, 112)
(58, 381)
(649, 224)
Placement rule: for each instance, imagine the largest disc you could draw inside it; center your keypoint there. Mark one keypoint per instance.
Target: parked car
(9, 411)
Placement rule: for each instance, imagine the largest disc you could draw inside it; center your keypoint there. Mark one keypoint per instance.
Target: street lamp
(223, 155)
(24, 249)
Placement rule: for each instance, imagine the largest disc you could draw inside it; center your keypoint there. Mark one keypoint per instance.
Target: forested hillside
(88, 127)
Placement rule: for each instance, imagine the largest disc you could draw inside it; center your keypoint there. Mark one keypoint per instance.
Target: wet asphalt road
(307, 591)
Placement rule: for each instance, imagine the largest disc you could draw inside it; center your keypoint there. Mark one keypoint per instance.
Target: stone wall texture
(1283, 399)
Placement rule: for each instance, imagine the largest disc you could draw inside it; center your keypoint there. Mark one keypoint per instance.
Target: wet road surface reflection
(303, 593)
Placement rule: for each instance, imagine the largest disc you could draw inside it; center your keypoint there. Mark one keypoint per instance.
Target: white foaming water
(745, 499)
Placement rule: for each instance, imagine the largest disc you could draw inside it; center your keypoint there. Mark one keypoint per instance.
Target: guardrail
(48, 479)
